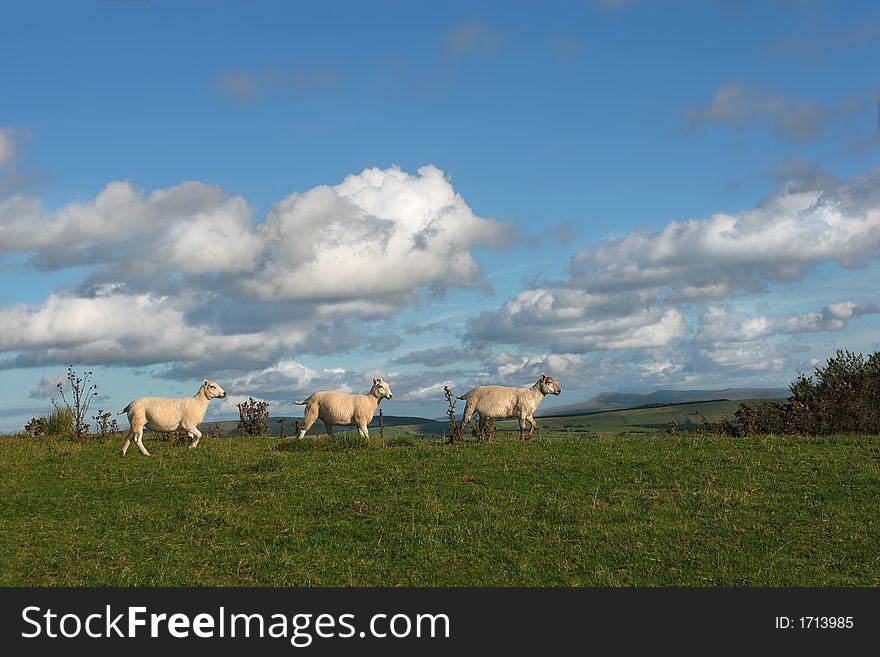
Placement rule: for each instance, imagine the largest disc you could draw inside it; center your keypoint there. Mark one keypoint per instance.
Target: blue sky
(286, 197)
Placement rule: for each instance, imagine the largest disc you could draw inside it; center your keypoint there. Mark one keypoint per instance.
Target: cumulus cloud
(523, 370)
(290, 376)
(741, 105)
(760, 356)
(122, 225)
(569, 320)
(48, 386)
(345, 243)
(352, 241)
(143, 329)
(187, 275)
(720, 324)
(640, 294)
(786, 235)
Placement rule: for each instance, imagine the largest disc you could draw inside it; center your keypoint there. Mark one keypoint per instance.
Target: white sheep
(340, 408)
(503, 402)
(169, 414)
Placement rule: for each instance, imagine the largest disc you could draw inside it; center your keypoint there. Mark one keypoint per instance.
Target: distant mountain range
(610, 401)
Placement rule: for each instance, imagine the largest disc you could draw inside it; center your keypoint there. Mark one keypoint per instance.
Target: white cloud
(48, 385)
(129, 329)
(431, 391)
(345, 243)
(749, 357)
(789, 233)
(355, 240)
(719, 324)
(290, 377)
(144, 225)
(517, 370)
(634, 294)
(184, 275)
(567, 320)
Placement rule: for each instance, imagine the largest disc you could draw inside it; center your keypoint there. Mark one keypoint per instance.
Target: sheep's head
(548, 385)
(381, 389)
(212, 390)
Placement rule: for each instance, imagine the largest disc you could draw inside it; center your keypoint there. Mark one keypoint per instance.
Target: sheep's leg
(532, 428)
(139, 441)
(194, 435)
(127, 442)
(329, 428)
(309, 418)
(363, 431)
(481, 427)
(522, 428)
(467, 415)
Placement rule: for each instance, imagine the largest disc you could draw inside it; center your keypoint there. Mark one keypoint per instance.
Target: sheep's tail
(301, 403)
(462, 397)
(124, 410)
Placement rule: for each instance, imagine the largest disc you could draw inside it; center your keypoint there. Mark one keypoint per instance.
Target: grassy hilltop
(556, 511)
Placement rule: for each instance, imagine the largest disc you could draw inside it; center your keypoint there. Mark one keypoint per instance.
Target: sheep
(340, 408)
(169, 414)
(504, 402)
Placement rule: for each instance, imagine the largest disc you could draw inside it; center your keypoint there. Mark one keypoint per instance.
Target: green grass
(632, 511)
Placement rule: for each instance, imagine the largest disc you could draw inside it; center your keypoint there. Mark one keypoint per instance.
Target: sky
(292, 197)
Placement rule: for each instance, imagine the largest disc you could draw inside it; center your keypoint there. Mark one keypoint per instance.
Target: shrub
(841, 397)
(81, 395)
(253, 418)
(456, 432)
(34, 428)
(59, 422)
(104, 425)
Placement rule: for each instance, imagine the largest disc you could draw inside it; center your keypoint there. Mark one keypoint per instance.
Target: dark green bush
(841, 397)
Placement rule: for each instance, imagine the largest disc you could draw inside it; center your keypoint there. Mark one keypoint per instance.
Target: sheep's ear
(205, 382)
(375, 381)
(543, 377)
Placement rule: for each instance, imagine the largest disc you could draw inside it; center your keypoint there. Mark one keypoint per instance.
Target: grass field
(557, 511)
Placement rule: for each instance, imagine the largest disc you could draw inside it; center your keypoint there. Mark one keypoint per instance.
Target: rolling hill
(608, 401)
